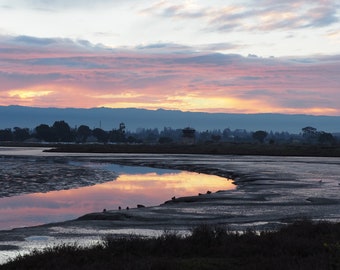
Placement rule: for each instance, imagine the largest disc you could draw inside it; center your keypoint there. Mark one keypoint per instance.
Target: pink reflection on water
(127, 190)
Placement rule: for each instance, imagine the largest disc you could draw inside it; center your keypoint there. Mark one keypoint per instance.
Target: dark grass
(301, 245)
(211, 148)
(222, 148)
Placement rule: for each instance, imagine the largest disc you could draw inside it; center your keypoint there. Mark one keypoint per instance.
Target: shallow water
(270, 191)
(77, 192)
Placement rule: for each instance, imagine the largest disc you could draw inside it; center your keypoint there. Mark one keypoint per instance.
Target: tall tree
(101, 135)
(62, 131)
(83, 132)
(309, 131)
(260, 135)
(310, 134)
(44, 132)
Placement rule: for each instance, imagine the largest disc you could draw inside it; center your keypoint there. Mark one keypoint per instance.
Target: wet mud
(271, 191)
(22, 175)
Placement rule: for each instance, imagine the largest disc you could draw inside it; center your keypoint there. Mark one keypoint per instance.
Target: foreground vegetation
(301, 245)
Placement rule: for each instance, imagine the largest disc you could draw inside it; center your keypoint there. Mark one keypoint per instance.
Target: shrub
(301, 245)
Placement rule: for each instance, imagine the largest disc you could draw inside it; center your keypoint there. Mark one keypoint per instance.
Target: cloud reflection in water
(150, 188)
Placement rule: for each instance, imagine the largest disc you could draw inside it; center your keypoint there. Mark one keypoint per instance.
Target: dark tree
(101, 135)
(310, 134)
(174, 134)
(204, 136)
(44, 132)
(309, 131)
(260, 135)
(62, 131)
(6, 134)
(21, 134)
(326, 138)
(83, 132)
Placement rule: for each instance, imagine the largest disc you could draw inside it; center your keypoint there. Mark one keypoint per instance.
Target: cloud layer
(56, 72)
(261, 27)
(260, 15)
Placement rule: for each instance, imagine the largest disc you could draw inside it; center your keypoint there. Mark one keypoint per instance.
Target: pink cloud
(78, 75)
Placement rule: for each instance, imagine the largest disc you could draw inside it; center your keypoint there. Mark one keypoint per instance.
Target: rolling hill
(109, 118)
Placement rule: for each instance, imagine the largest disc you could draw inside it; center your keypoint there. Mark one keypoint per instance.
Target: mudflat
(271, 191)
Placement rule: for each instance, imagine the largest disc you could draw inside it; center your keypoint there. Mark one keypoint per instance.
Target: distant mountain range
(109, 118)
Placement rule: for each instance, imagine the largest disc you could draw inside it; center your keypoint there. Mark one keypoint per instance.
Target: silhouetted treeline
(60, 131)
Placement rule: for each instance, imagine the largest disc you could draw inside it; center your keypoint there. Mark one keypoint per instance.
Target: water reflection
(134, 186)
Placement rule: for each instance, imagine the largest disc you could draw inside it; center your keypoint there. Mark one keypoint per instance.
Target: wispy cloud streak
(254, 15)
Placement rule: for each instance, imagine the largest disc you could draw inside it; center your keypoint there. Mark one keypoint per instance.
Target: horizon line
(171, 110)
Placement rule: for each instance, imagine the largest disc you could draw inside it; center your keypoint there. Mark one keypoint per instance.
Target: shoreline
(247, 186)
(270, 193)
(207, 149)
(253, 149)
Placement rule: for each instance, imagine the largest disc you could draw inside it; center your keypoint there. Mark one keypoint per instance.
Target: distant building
(188, 135)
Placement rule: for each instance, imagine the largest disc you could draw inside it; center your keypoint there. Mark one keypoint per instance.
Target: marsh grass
(207, 148)
(301, 245)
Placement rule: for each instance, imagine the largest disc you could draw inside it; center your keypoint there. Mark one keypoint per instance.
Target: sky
(260, 56)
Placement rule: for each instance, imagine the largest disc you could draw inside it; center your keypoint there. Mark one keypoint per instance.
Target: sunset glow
(28, 94)
(150, 189)
(237, 57)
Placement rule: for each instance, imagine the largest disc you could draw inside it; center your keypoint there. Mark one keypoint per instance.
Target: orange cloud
(71, 76)
(28, 94)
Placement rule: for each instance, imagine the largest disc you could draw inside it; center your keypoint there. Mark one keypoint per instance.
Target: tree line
(60, 131)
